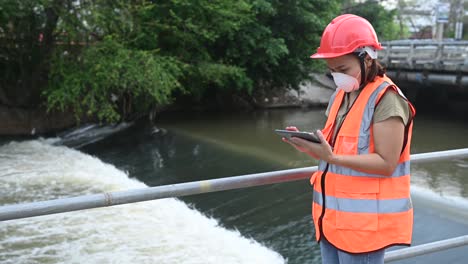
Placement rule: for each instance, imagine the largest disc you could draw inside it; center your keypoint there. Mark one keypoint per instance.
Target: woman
(361, 201)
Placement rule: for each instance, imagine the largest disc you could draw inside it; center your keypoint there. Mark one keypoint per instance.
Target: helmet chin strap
(361, 56)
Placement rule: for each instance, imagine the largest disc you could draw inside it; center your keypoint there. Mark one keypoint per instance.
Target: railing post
(438, 62)
(411, 56)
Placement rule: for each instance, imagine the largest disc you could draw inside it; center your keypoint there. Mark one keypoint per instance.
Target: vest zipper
(322, 185)
(324, 174)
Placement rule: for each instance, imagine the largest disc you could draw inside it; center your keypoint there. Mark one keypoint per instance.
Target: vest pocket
(352, 144)
(357, 205)
(346, 144)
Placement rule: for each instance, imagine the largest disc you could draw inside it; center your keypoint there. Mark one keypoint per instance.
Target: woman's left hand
(321, 151)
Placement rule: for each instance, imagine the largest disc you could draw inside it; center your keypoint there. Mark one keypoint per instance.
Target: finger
(297, 141)
(292, 128)
(293, 144)
(320, 136)
(287, 141)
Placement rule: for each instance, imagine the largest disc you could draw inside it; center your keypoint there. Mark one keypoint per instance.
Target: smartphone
(300, 134)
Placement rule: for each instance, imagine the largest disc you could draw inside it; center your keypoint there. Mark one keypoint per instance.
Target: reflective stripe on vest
(386, 206)
(401, 170)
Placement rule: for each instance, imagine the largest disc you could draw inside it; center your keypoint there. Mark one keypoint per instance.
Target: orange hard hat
(345, 34)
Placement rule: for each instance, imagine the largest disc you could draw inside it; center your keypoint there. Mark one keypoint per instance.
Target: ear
(368, 61)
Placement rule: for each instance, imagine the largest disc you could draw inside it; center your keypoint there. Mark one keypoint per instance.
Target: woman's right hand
(293, 128)
(299, 148)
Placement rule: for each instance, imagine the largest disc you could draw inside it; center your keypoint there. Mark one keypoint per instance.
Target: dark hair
(376, 69)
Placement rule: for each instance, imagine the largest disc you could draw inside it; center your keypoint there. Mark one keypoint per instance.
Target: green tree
(75, 53)
(112, 81)
(114, 59)
(190, 32)
(26, 41)
(109, 78)
(276, 46)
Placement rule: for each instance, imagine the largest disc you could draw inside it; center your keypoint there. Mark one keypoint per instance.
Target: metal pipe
(426, 248)
(439, 155)
(424, 42)
(18, 211)
(429, 78)
(25, 210)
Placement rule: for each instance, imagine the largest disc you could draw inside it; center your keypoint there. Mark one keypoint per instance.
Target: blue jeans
(332, 255)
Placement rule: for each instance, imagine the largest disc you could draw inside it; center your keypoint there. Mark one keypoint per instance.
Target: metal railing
(18, 211)
(426, 248)
(431, 55)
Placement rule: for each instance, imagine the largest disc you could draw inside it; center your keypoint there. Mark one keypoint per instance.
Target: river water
(268, 224)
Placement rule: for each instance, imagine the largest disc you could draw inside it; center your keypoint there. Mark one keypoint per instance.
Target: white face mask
(345, 82)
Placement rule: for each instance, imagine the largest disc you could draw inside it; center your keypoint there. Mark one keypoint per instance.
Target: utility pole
(440, 31)
(460, 13)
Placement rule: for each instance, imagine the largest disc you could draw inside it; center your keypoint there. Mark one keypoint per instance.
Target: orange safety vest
(360, 212)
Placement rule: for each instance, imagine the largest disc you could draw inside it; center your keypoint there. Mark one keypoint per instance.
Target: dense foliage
(110, 80)
(113, 58)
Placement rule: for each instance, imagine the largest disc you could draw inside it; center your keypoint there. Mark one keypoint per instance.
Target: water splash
(160, 231)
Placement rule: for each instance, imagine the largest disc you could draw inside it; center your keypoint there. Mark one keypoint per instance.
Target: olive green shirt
(391, 105)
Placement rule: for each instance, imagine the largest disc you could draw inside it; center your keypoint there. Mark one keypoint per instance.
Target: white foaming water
(160, 231)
